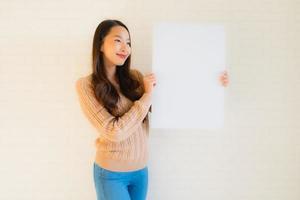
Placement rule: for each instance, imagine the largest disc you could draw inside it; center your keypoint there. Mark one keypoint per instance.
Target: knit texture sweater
(122, 142)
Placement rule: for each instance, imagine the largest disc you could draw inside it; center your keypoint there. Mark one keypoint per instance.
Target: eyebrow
(119, 36)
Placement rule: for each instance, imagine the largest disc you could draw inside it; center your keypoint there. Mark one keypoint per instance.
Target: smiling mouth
(121, 56)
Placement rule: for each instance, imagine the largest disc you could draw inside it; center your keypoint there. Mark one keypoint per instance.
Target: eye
(129, 44)
(118, 40)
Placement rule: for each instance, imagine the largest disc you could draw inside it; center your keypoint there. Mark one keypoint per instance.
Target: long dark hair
(105, 91)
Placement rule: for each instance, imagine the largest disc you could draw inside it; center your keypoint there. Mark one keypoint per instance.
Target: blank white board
(188, 59)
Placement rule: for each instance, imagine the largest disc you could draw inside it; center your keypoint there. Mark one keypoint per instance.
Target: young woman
(116, 99)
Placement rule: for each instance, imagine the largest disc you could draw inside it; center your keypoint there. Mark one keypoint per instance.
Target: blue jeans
(112, 185)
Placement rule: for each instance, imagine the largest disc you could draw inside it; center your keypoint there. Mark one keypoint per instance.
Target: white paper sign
(188, 59)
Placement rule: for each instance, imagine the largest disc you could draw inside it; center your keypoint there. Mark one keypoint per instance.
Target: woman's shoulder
(83, 80)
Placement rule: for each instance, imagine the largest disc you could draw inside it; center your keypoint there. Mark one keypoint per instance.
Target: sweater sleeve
(140, 76)
(111, 127)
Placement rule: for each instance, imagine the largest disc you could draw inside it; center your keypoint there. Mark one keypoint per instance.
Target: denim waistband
(120, 172)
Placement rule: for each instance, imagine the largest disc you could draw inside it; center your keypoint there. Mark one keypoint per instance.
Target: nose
(125, 49)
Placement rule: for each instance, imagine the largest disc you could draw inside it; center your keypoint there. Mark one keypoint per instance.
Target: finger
(151, 78)
(151, 74)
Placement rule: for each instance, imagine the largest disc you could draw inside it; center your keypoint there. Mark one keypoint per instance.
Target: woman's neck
(110, 69)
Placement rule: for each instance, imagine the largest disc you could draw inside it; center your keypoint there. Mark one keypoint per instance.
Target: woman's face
(116, 46)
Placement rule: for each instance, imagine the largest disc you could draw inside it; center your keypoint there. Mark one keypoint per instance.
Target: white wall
(47, 147)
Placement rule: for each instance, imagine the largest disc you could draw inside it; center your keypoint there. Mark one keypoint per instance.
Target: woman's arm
(140, 77)
(112, 128)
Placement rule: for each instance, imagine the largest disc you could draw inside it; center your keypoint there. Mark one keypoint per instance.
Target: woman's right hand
(149, 82)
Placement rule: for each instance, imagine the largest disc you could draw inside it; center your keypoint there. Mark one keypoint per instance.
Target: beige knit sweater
(122, 143)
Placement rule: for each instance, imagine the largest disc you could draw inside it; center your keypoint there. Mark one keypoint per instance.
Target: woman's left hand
(224, 78)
